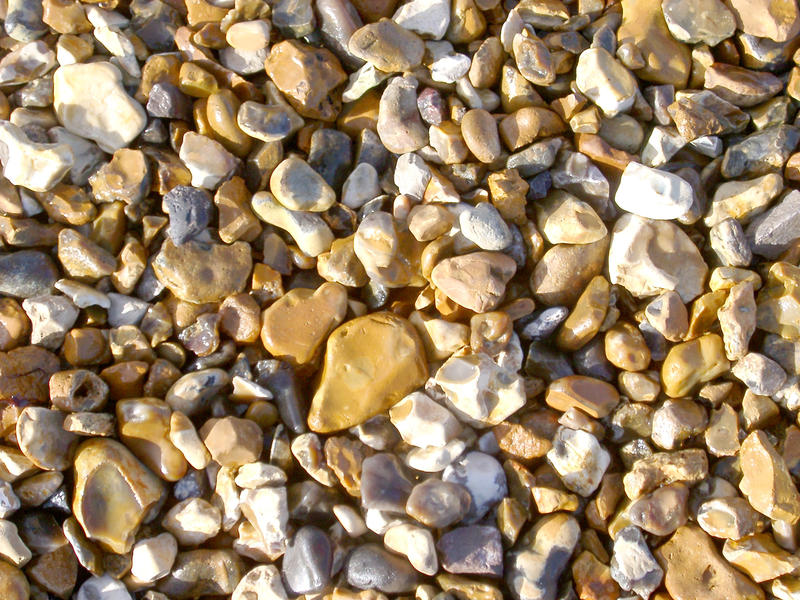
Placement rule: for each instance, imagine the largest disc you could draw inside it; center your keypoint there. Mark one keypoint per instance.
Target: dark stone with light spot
(189, 211)
(23, 20)
(307, 563)
(371, 567)
(473, 550)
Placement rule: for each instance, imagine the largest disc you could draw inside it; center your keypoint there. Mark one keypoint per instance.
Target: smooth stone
(190, 392)
(399, 124)
(632, 565)
(113, 493)
(42, 439)
(653, 194)
(203, 272)
(370, 363)
(648, 257)
(189, 211)
(143, 425)
(90, 101)
(416, 544)
(152, 558)
(667, 61)
(535, 566)
(268, 123)
(306, 565)
(422, 422)
(662, 511)
(475, 281)
(438, 504)
(592, 396)
(729, 518)
(693, 568)
(105, 587)
(605, 81)
(51, 317)
(693, 21)
(192, 521)
(309, 230)
(299, 187)
(388, 46)
(484, 479)
(25, 63)
(563, 219)
(35, 166)
(361, 186)
(27, 273)
(564, 271)
(740, 86)
(370, 567)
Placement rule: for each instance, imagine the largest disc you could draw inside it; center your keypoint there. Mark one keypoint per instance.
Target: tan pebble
(232, 441)
(625, 347)
(766, 482)
(585, 320)
(593, 396)
(144, 426)
(690, 363)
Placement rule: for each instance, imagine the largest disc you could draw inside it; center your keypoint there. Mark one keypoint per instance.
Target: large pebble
(632, 565)
(32, 165)
(399, 125)
(773, 232)
(26, 273)
(692, 21)
(472, 550)
(370, 567)
(484, 479)
(579, 459)
(309, 230)
(307, 563)
(388, 46)
(484, 226)
(648, 257)
(90, 101)
(476, 281)
(605, 81)
(653, 194)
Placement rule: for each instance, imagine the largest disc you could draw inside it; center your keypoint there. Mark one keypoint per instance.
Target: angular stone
(648, 257)
(593, 396)
(370, 363)
(766, 482)
(579, 459)
(693, 21)
(646, 474)
(729, 518)
(694, 569)
(773, 232)
(27, 163)
(422, 422)
(632, 565)
(203, 272)
(472, 550)
(653, 194)
(475, 281)
(113, 493)
(771, 19)
(199, 573)
(760, 152)
(387, 46)
(416, 544)
(484, 479)
(90, 101)
(760, 557)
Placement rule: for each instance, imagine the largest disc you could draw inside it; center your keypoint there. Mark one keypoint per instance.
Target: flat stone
(760, 557)
(268, 123)
(694, 568)
(90, 101)
(189, 211)
(760, 152)
(729, 518)
(369, 566)
(693, 21)
(203, 272)
(648, 257)
(199, 573)
(42, 438)
(648, 473)
(27, 273)
(476, 281)
(761, 375)
(370, 363)
(652, 193)
(743, 200)
(306, 566)
(25, 63)
(593, 396)
(113, 492)
(703, 113)
(438, 504)
(426, 19)
(767, 18)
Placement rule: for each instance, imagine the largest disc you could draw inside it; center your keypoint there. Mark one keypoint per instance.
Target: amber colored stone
(55, 572)
(113, 492)
(585, 320)
(307, 77)
(690, 363)
(86, 346)
(143, 425)
(295, 326)
(593, 579)
(520, 441)
(766, 482)
(24, 372)
(125, 379)
(370, 363)
(360, 114)
(704, 312)
(625, 347)
(13, 583)
(526, 125)
(778, 303)
(236, 219)
(593, 396)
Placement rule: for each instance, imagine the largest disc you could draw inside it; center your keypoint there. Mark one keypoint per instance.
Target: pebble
(306, 566)
(203, 272)
(416, 544)
(649, 472)
(648, 257)
(27, 273)
(394, 367)
(653, 194)
(479, 391)
(534, 568)
(565, 270)
(692, 566)
(388, 45)
(760, 152)
(693, 21)
(51, 317)
(399, 123)
(101, 468)
(766, 482)
(267, 510)
(764, 18)
(662, 511)
(729, 518)
(192, 521)
(743, 200)
(105, 587)
(483, 478)
(268, 123)
(475, 281)
(152, 558)
(426, 19)
(189, 211)
(370, 567)
(90, 101)
(42, 439)
(579, 459)
(772, 233)
(199, 573)
(592, 396)
(25, 63)
(35, 166)
(299, 187)
(632, 565)
(605, 81)
(262, 582)
(422, 422)
(311, 233)
(675, 421)
(761, 375)
(760, 557)
(207, 160)
(564, 219)
(484, 226)
(472, 550)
